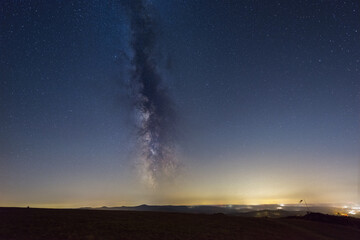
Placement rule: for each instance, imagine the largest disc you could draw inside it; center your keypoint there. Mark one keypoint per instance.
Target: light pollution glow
(213, 185)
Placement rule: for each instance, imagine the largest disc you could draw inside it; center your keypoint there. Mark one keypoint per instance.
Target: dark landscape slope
(29, 224)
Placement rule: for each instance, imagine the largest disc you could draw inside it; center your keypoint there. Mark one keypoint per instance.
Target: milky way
(153, 106)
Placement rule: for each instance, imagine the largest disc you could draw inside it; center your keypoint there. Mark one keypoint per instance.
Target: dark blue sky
(266, 95)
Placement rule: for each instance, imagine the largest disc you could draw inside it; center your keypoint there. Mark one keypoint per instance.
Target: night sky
(264, 96)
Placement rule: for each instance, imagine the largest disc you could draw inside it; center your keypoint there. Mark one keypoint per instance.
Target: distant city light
(352, 212)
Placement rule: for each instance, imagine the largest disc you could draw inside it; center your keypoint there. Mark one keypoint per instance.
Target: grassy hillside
(18, 223)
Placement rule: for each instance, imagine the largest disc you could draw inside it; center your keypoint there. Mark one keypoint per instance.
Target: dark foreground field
(19, 223)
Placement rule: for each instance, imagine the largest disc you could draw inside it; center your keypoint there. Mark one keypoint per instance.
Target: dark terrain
(22, 223)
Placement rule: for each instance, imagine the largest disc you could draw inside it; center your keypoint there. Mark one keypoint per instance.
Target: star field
(266, 94)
